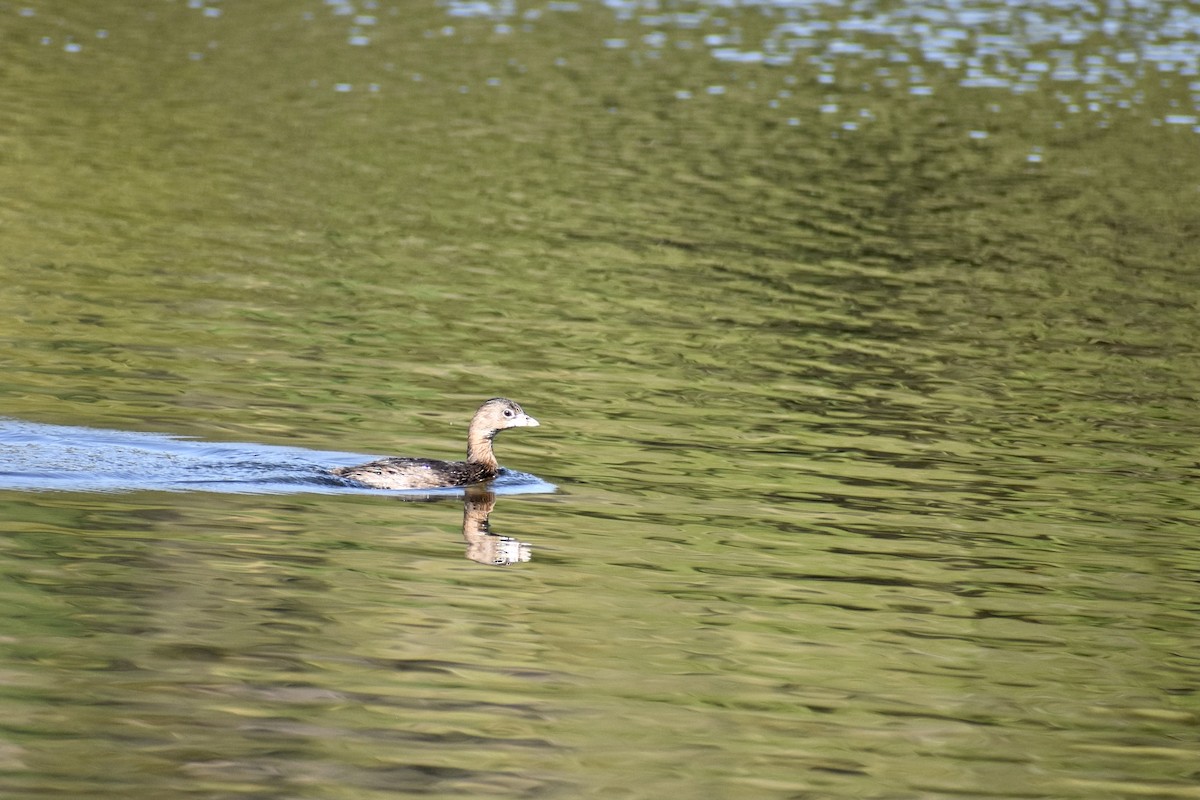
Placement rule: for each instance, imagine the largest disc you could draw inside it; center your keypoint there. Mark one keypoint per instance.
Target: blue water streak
(64, 458)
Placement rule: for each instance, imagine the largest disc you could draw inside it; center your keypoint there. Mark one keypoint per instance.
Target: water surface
(863, 341)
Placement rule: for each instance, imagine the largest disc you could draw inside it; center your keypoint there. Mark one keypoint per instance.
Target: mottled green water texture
(864, 339)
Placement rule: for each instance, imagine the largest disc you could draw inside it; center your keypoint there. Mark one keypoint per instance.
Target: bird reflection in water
(483, 545)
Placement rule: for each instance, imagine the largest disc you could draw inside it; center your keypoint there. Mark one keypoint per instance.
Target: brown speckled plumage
(492, 417)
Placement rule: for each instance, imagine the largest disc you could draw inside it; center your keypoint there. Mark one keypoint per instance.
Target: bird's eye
(508, 412)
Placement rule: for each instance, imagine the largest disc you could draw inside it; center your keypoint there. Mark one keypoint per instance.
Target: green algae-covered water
(863, 340)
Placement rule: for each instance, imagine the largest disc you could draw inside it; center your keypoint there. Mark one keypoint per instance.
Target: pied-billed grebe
(424, 473)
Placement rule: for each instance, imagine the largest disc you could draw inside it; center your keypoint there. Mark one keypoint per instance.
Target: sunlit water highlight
(1092, 59)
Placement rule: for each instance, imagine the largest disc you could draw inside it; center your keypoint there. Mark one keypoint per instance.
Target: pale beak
(525, 421)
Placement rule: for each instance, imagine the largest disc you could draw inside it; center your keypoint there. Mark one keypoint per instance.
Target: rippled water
(863, 340)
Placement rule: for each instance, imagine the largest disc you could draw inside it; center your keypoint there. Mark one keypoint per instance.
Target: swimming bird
(493, 416)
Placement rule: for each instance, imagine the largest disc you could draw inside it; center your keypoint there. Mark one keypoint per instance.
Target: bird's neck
(479, 448)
